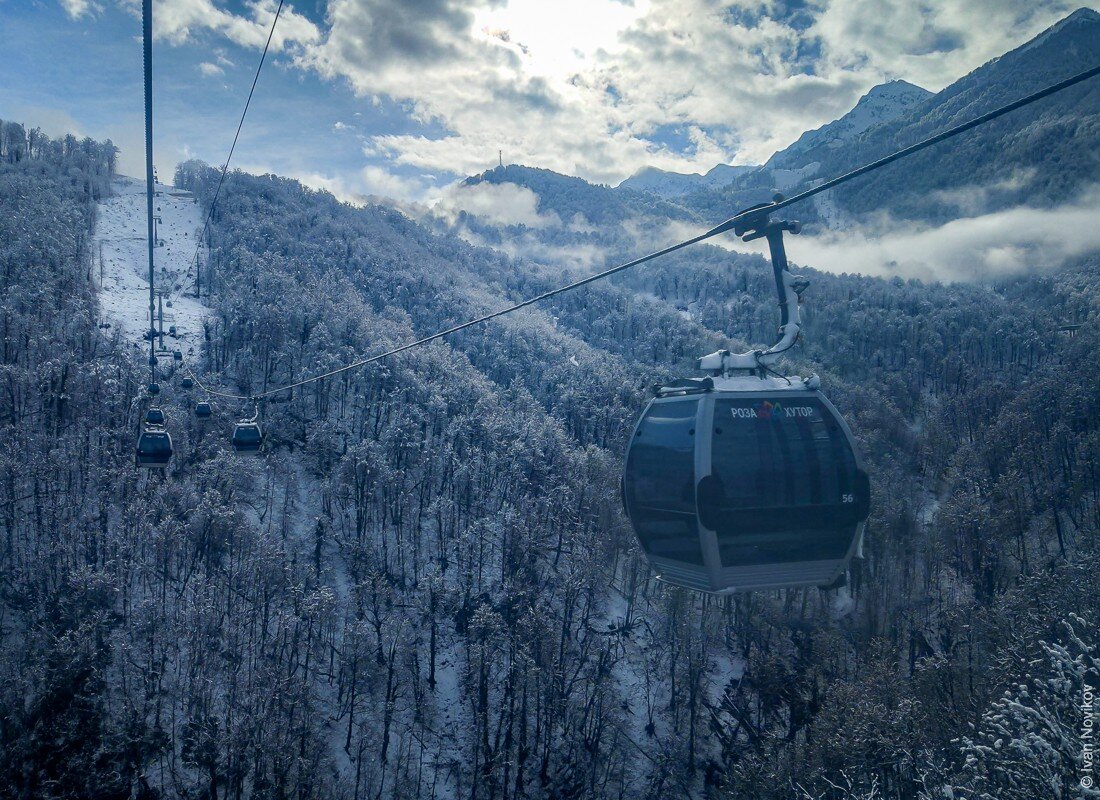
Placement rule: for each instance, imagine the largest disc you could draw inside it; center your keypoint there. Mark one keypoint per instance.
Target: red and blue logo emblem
(769, 411)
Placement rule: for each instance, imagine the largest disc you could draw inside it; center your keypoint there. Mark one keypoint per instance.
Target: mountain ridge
(1056, 141)
(882, 103)
(665, 183)
(1054, 144)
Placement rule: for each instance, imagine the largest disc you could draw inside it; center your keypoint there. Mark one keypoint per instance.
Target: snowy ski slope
(121, 264)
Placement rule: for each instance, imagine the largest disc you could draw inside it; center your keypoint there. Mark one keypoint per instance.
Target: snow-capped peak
(881, 104)
(1082, 16)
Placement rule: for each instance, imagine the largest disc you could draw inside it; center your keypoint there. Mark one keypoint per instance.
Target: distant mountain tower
(500, 158)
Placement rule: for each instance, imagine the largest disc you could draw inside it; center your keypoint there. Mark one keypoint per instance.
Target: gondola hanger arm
(751, 224)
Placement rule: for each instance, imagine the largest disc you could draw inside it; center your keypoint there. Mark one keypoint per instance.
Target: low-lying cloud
(972, 200)
(529, 247)
(369, 185)
(502, 204)
(994, 245)
(982, 247)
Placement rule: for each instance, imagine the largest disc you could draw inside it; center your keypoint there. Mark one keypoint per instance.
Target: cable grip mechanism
(751, 224)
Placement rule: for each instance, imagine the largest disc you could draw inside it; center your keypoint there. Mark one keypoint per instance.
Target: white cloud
(992, 245)
(483, 83)
(529, 247)
(974, 248)
(972, 200)
(209, 70)
(78, 8)
(335, 186)
(430, 56)
(180, 21)
(381, 183)
(496, 203)
(578, 256)
(601, 88)
(593, 87)
(370, 184)
(929, 43)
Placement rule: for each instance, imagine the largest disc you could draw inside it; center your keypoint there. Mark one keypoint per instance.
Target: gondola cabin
(154, 448)
(740, 483)
(187, 383)
(203, 410)
(154, 416)
(248, 439)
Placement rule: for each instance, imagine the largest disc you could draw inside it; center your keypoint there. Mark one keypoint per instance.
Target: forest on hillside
(427, 587)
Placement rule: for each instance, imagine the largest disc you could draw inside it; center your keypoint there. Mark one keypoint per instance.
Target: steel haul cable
(728, 225)
(147, 67)
(232, 147)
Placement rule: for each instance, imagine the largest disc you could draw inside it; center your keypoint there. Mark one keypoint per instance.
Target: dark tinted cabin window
(247, 435)
(785, 481)
(155, 444)
(660, 482)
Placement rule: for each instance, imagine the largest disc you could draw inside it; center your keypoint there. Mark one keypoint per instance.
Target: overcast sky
(401, 97)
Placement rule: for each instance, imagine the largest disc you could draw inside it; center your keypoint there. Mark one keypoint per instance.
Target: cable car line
(464, 325)
(746, 479)
(147, 69)
(232, 147)
(743, 223)
(153, 449)
(154, 443)
(203, 387)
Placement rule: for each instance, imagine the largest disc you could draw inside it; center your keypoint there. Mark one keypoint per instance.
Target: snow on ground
(833, 217)
(121, 262)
